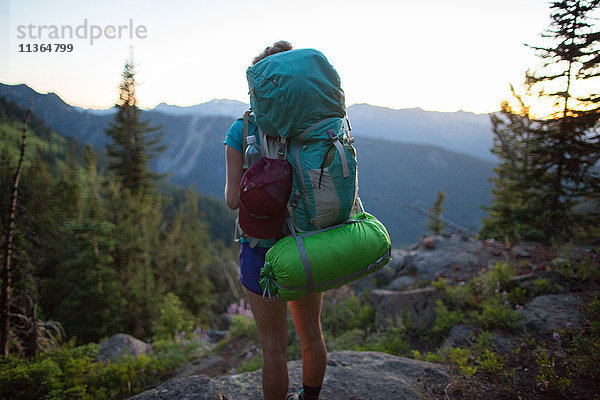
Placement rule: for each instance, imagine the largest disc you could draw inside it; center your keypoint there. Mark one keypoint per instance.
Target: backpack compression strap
(336, 142)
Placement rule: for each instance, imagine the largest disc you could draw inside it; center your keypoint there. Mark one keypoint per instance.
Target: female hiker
(271, 316)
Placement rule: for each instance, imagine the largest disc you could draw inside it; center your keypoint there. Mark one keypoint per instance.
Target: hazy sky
(435, 54)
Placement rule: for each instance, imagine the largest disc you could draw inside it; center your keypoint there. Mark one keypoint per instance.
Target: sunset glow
(436, 55)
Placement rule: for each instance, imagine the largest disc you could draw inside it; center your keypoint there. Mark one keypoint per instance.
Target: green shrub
(483, 342)
(587, 271)
(542, 286)
(30, 380)
(343, 311)
(242, 327)
(350, 340)
(252, 362)
(458, 296)
(592, 313)
(429, 357)
(391, 340)
(496, 313)
(173, 318)
(73, 373)
(495, 281)
(462, 357)
(547, 375)
(444, 319)
(490, 362)
(518, 295)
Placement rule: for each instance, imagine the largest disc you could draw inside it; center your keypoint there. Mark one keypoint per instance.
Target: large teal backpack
(296, 98)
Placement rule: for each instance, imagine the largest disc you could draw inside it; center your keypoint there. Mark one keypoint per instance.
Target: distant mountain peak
(218, 107)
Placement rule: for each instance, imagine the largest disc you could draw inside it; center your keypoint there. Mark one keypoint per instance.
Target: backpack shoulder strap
(245, 137)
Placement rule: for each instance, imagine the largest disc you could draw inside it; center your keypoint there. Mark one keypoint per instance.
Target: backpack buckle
(281, 148)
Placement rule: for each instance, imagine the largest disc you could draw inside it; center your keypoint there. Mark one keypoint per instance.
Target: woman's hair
(277, 47)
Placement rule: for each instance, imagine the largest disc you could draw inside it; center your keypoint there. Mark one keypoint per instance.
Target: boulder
(460, 336)
(379, 278)
(453, 256)
(350, 375)
(428, 242)
(121, 345)
(547, 313)
(402, 283)
(397, 262)
(523, 250)
(417, 304)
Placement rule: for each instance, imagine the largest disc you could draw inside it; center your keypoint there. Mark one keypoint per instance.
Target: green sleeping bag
(325, 259)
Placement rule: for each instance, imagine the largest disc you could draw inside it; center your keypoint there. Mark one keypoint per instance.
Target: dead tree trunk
(6, 270)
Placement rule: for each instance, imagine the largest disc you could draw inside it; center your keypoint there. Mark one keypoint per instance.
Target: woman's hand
(234, 171)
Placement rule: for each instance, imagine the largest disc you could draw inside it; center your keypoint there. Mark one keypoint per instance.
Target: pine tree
(183, 262)
(547, 161)
(91, 304)
(134, 207)
(514, 214)
(433, 223)
(134, 142)
(567, 142)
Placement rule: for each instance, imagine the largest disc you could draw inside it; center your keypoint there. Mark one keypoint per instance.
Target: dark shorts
(251, 262)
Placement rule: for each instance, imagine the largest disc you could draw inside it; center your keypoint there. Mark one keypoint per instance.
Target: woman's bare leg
(306, 313)
(271, 321)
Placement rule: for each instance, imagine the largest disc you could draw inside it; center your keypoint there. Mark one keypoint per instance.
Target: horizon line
(91, 109)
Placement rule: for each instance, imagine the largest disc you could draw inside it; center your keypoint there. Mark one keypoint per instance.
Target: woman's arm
(234, 171)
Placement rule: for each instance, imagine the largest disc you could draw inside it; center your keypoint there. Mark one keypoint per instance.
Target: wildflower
(497, 287)
(568, 324)
(556, 336)
(519, 307)
(153, 372)
(240, 308)
(197, 331)
(142, 371)
(504, 294)
(232, 372)
(183, 345)
(182, 335)
(249, 355)
(506, 303)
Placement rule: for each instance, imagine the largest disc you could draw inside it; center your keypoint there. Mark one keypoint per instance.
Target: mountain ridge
(388, 168)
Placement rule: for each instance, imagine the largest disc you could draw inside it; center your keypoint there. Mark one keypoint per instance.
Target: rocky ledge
(350, 375)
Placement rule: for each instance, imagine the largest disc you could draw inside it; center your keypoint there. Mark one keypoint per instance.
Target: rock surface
(546, 313)
(120, 345)
(350, 376)
(417, 304)
(460, 336)
(453, 257)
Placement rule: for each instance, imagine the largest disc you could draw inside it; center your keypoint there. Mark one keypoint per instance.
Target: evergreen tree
(137, 221)
(548, 161)
(134, 206)
(134, 142)
(516, 213)
(183, 261)
(87, 283)
(433, 223)
(568, 143)
(92, 304)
